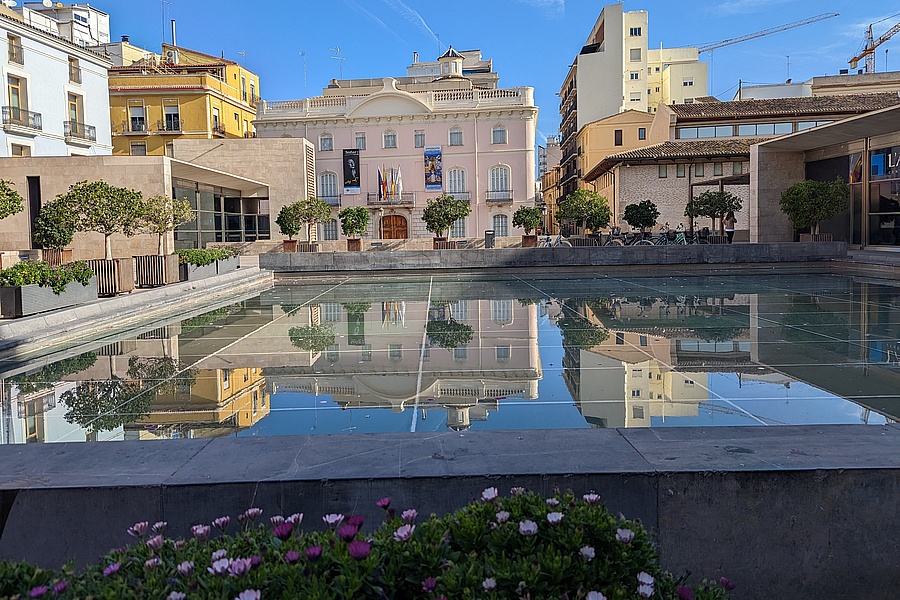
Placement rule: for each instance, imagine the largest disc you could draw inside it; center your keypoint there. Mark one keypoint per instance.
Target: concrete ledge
(499, 258)
(61, 327)
(787, 512)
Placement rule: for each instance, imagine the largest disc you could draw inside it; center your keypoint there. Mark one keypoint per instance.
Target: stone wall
(774, 172)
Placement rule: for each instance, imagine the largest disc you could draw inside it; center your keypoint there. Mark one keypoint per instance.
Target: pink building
(391, 144)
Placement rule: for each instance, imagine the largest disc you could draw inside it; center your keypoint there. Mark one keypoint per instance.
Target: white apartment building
(391, 144)
(56, 100)
(81, 24)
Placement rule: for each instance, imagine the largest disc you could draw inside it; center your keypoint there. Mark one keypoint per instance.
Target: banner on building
(351, 171)
(433, 174)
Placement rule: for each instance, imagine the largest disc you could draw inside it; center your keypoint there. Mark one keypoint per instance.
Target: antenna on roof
(339, 58)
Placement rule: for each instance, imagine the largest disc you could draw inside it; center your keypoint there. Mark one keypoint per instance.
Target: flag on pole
(399, 183)
(380, 195)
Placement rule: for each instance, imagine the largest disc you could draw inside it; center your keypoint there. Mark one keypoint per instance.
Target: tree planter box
(56, 256)
(25, 300)
(529, 241)
(114, 276)
(194, 273)
(155, 270)
(228, 265)
(290, 245)
(816, 237)
(354, 245)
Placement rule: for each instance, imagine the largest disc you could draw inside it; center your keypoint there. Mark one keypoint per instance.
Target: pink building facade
(392, 144)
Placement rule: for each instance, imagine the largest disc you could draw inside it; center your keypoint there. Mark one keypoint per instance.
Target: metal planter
(21, 301)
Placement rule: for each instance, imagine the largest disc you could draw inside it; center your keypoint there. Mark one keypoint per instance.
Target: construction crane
(764, 32)
(868, 51)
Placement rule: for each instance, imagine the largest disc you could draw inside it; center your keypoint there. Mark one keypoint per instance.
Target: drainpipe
(477, 176)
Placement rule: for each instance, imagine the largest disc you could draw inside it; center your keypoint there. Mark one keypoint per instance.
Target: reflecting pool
(390, 354)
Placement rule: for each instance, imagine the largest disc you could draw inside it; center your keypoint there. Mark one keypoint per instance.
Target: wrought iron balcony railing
(13, 115)
(80, 131)
(16, 53)
(218, 129)
(333, 200)
(499, 196)
(464, 196)
(74, 74)
(404, 199)
(169, 125)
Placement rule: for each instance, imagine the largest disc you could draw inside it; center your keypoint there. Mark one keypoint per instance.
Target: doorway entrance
(394, 227)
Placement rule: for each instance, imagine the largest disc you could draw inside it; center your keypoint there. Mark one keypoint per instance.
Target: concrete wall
(745, 503)
(299, 262)
(773, 172)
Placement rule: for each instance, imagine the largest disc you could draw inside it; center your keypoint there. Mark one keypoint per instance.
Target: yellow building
(179, 94)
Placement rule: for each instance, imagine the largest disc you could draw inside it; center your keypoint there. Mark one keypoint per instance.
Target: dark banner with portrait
(351, 171)
(433, 176)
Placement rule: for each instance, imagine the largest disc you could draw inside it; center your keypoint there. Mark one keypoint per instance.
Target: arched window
(501, 225)
(498, 184)
(326, 142)
(458, 229)
(498, 134)
(328, 189)
(456, 183)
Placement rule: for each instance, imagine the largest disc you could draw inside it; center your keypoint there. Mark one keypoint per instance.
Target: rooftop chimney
(126, 39)
(415, 58)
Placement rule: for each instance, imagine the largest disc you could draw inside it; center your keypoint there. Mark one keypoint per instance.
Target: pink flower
(409, 515)
(37, 592)
(252, 513)
(291, 556)
(156, 542)
(587, 553)
(249, 595)
(186, 568)
(201, 532)
(624, 535)
(152, 563)
(685, 592)
(429, 585)
(489, 494)
(356, 520)
(283, 531)
(255, 560)
(295, 519)
(333, 519)
(276, 520)
(313, 553)
(219, 554)
(554, 517)
(221, 523)
(489, 584)
(516, 491)
(138, 529)
(404, 533)
(595, 596)
(60, 586)
(359, 549)
(384, 503)
(110, 569)
(726, 583)
(219, 567)
(159, 526)
(528, 527)
(347, 532)
(179, 544)
(502, 517)
(239, 566)
(591, 498)
(552, 502)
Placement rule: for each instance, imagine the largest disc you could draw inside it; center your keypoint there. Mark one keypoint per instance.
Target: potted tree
(641, 216)
(715, 205)
(161, 216)
(10, 203)
(808, 203)
(354, 223)
(54, 228)
(310, 212)
(107, 209)
(441, 213)
(289, 223)
(529, 219)
(587, 208)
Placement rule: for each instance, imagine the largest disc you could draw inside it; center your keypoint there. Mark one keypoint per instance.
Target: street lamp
(543, 217)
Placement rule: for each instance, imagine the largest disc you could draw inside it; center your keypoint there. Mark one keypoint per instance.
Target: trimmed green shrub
(35, 272)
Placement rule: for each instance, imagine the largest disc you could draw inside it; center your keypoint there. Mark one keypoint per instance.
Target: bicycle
(626, 239)
(546, 242)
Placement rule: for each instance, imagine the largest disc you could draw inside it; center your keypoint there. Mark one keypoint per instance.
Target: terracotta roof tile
(689, 149)
(809, 105)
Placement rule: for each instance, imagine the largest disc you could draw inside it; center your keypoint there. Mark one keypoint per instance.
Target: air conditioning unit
(172, 57)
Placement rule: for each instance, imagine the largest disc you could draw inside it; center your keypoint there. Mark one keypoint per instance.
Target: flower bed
(521, 546)
(31, 287)
(202, 263)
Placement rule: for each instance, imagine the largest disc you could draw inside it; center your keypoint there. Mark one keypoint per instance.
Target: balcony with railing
(218, 129)
(499, 196)
(249, 134)
(76, 132)
(133, 126)
(464, 196)
(404, 199)
(169, 125)
(16, 53)
(332, 199)
(15, 118)
(74, 74)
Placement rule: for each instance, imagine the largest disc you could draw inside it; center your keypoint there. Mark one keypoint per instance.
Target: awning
(194, 172)
(879, 122)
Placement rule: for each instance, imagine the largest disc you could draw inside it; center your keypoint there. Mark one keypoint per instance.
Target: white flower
(219, 554)
(625, 536)
(645, 578)
(295, 519)
(404, 533)
(591, 498)
(489, 584)
(645, 591)
(409, 515)
(517, 491)
(595, 596)
(528, 527)
(587, 553)
(219, 567)
(552, 502)
(554, 517)
(502, 517)
(333, 520)
(489, 494)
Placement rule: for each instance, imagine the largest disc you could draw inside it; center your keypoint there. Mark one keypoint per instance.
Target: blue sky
(532, 42)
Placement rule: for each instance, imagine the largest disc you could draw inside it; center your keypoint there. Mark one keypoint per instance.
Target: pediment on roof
(390, 102)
